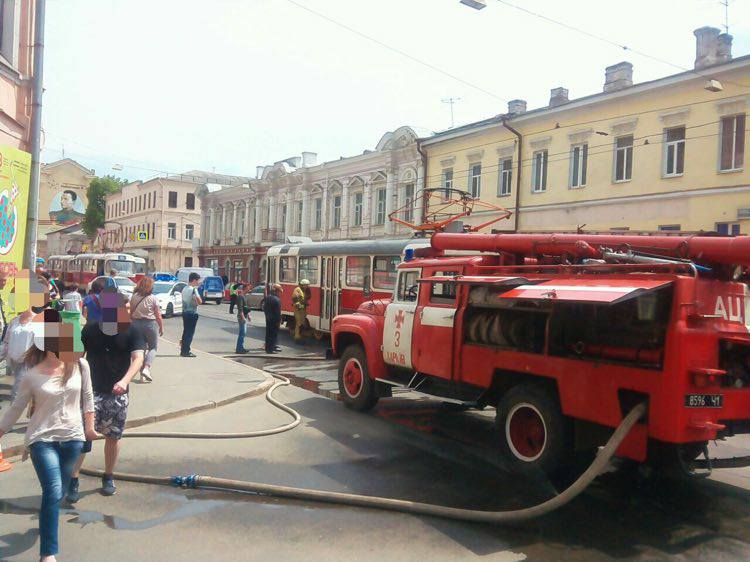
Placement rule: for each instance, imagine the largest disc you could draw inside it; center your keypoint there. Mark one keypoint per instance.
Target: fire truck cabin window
(356, 269)
(408, 288)
(288, 269)
(443, 293)
(384, 272)
(308, 269)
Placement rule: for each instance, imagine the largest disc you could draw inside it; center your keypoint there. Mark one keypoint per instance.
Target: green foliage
(97, 193)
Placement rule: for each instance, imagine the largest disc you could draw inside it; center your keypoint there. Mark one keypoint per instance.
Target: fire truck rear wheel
(534, 434)
(357, 389)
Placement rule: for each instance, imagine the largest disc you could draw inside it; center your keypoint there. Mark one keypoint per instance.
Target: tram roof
(384, 247)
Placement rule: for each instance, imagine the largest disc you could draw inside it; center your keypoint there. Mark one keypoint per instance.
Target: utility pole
(451, 102)
(725, 3)
(35, 137)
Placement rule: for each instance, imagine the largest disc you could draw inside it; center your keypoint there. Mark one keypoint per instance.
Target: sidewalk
(181, 386)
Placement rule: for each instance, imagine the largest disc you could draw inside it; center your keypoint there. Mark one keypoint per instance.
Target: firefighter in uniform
(300, 298)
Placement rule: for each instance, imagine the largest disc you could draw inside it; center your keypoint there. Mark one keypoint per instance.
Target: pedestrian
(233, 296)
(59, 383)
(272, 310)
(146, 316)
(115, 350)
(92, 308)
(3, 324)
(300, 298)
(243, 319)
(72, 300)
(113, 273)
(190, 302)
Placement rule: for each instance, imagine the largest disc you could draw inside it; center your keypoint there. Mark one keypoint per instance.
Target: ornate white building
(349, 198)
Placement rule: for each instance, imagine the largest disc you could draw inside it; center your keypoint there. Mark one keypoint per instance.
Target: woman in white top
(146, 316)
(59, 382)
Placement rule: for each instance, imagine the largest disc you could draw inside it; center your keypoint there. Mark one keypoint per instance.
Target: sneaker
(242, 351)
(108, 486)
(73, 496)
(187, 354)
(277, 348)
(146, 373)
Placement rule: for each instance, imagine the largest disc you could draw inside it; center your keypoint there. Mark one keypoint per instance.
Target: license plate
(704, 400)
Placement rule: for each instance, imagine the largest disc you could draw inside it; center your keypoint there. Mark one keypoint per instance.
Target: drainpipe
(424, 178)
(518, 173)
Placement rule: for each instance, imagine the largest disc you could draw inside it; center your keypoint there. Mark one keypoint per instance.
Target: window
(732, 143)
(475, 180)
(624, 158)
(336, 211)
(214, 265)
(674, 151)
(308, 269)
(409, 196)
(579, 156)
(140, 202)
(380, 207)
(189, 230)
(539, 171)
(727, 228)
(154, 198)
(188, 261)
(384, 272)
(298, 226)
(408, 288)
(447, 181)
(444, 293)
(288, 269)
(318, 223)
(242, 222)
(356, 269)
(172, 230)
(172, 199)
(669, 227)
(358, 197)
(506, 177)
(190, 201)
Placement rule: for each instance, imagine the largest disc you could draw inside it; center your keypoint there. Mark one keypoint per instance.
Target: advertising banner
(15, 168)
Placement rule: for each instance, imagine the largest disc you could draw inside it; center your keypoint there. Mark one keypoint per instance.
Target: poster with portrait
(66, 208)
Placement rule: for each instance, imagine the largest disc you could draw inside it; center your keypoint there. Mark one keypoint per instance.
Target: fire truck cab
(563, 338)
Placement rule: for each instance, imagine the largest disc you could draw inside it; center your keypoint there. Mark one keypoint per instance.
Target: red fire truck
(563, 334)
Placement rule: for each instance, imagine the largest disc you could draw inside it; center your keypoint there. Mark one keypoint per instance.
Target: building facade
(158, 219)
(62, 199)
(349, 199)
(662, 155)
(16, 53)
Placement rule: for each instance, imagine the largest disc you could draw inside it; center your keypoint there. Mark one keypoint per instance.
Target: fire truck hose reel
(601, 461)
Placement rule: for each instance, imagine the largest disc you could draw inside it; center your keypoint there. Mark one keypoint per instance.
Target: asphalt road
(409, 448)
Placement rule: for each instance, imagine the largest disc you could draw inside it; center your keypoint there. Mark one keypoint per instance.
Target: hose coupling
(189, 481)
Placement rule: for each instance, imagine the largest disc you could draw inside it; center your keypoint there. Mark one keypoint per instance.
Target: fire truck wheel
(533, 431)
(355, 385)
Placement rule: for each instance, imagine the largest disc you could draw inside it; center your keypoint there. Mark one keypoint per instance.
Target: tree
(97, 193)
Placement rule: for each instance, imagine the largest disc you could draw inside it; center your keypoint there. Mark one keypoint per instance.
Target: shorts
(87, 446)
(111, 411)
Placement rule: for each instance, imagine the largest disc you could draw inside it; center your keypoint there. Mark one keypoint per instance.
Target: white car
(169, 295)
(124, 285)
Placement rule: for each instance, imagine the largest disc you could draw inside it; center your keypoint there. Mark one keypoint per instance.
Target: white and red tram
(84, 268)
(342, 274)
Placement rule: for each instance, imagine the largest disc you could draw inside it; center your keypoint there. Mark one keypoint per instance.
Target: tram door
(331, 291)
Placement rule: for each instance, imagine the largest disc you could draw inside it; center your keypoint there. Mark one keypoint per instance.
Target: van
(184, 273)
(211, 289)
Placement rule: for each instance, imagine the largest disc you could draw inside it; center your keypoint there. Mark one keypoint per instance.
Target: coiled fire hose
(498, 517)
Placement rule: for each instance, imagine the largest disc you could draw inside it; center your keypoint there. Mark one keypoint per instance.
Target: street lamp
(476, 4)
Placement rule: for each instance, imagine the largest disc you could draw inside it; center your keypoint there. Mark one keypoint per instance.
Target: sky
(165, 86)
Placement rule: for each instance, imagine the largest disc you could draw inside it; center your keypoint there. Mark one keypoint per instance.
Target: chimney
(706, 46)
(259, 171)
(723, 48)
(618, 76)
(516, 107)
(309, 159)
(558, 96)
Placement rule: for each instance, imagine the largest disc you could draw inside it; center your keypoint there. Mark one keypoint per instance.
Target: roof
(70, 161)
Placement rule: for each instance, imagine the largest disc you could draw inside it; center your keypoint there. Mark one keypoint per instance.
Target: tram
(84, 268)
(342, 274)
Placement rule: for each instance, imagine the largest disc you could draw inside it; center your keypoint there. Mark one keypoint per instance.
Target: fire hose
(498, 517)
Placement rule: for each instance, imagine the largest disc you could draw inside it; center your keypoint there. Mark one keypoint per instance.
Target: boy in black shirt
(115, 351)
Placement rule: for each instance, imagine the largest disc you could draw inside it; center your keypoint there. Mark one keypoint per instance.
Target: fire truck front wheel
(357, 389)
(534, 434)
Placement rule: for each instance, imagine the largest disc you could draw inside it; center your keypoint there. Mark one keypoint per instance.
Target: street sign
(142, 235)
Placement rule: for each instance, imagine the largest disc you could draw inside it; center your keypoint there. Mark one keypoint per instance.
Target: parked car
(162, 276)
(211, 289)
(169, 295)
(123, 285)
(256, 297)
(184, 273)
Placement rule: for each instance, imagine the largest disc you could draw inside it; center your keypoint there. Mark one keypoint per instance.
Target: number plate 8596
(704, 400)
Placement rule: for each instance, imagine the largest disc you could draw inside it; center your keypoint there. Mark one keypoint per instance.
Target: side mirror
(366, 291)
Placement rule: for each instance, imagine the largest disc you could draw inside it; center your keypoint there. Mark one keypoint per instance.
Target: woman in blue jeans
(59, 382)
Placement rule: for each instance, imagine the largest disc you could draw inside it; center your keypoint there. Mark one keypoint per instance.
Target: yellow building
(661, 155)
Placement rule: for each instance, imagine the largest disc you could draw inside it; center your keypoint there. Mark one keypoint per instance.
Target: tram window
(288, 269)
(356, 269)
(384, 272)
(408, 288)
(443, 293)
(308, 269)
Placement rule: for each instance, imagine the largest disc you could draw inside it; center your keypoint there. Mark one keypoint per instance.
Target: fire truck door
(399, 320)
(433, 328)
